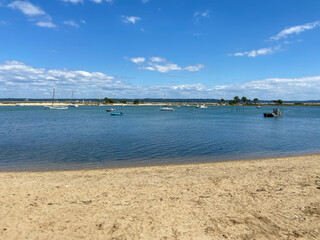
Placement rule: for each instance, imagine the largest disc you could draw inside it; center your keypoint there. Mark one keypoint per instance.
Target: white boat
(73, 104)
(166, 109)
(56, 107)
(19, 105)
(201, 106)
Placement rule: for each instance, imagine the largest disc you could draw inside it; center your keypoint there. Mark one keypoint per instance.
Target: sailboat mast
(53, 96)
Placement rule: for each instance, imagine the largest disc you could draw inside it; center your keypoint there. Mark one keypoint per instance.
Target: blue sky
(160, 48)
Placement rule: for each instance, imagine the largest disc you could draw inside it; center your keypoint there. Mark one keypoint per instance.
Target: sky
(266, 49)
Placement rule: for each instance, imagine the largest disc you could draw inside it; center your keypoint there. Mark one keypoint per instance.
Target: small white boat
(19, 105)
(166, 109)
(111, 110)
(258, 106)
(58, 107)
(73, 105)
(52, 107)
(101, 105)
(201, 106)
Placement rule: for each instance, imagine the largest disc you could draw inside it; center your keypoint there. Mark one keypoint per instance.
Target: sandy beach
(275, 198)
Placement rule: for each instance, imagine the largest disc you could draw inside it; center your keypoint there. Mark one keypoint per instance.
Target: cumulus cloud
(304, 88)
(18, 79)
(194, 68)
(168, 67)
(137, 60)
(130, 19)
(259, 52)
(161, 65)
(157, 59)
(47, 24)
(35, 13)
(295, 30)
(27, 8)
(71, 23)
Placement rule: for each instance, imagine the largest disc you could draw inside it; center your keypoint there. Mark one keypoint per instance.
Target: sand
(275, 198)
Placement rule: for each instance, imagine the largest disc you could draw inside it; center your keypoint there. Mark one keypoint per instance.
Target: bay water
(88, 137)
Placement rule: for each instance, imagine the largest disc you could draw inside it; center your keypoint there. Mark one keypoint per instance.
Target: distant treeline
(145, 100)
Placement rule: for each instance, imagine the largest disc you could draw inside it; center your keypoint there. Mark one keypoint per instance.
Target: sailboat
(166, 108)
(73, 104)
(56, 107)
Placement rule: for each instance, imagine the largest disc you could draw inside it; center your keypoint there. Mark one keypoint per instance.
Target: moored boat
(275, 113)
(116, 114)
(201, 106)
(166, 109)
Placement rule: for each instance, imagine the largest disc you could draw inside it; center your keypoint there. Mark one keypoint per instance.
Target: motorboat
(275, 113)
(111, 110)
(116, 114)
(201, 106)
(166, 109)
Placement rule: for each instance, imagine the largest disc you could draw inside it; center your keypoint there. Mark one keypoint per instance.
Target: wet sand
(276, 198)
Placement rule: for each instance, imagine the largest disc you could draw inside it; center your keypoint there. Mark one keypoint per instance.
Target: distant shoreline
(151, 104)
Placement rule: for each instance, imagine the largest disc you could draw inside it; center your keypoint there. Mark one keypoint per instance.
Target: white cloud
(130, 19)
(305, 88)
(27, 8)
(259, 52)
(194, 68)
(71, 23)
(35, 13)
(295, 30)
(161, 65)
(47, 24)
(73, 1)
(166, 67)
(157, 59)
(137, 60)
(21, 80)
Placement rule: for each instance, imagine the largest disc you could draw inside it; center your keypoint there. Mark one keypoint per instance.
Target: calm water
(35, 138)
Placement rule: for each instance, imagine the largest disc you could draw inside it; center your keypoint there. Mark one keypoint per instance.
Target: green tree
(123, 101)
(244, 100)
(236, 99)
(279, 101)
(109, 100)
(256, 100)
(142, 101)
(136, 101)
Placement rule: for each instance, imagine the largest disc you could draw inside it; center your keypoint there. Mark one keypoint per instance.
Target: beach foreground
(275, 198)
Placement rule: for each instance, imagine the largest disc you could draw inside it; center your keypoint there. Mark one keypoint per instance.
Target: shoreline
(193, 104)
(166, 165)
(270, 198)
